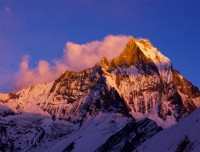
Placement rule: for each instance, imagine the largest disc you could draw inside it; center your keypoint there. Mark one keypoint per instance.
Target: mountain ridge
(138, 55)
(140, 84)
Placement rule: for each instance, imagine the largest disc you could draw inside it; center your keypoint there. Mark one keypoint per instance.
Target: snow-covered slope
(184, 136)
(140, 83)
(131, 136)
(30, 100)
(162, 63)
(27, 131)
(149, 85)
(93, 133)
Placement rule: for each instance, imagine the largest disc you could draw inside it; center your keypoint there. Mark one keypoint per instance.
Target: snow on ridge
(30, 99)
(152, 52)
(4, 96)
(93, 132)
(162, 62)
(171, 138)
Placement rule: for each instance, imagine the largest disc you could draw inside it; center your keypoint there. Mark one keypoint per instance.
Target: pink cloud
(80, 56)
(75, 57)
(43, 73)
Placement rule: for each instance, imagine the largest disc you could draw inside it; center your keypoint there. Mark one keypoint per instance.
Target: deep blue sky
(41, 28)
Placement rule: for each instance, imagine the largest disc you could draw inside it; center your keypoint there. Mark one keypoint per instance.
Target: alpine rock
(116, 105)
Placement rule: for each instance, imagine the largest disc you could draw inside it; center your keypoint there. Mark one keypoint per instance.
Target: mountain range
(135, 102)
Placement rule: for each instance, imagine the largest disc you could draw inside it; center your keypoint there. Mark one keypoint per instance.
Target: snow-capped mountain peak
(131, 55)
(140, 83)
(150, 51)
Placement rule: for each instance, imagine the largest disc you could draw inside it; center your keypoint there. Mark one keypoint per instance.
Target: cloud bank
(43, 73)
(75, 57)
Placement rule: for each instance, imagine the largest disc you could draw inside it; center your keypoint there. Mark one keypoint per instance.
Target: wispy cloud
(75, 57)
(78, 57)
(43, 73)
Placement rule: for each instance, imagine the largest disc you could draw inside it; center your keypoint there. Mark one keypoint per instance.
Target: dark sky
(41, 28)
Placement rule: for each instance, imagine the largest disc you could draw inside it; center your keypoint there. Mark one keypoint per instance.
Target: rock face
(149, 85)
(130, 137)
(139, 83)
(83, 93)
(183, 136)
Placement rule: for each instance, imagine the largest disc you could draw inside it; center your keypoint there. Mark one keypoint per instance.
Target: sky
(40, 39)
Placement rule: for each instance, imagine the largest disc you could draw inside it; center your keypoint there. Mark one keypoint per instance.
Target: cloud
(78, 57)
(75, 57)
(43, 73)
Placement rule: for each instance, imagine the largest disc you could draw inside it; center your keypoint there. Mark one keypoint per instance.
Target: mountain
(138, 92)
(131, 136)
(183, 136)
